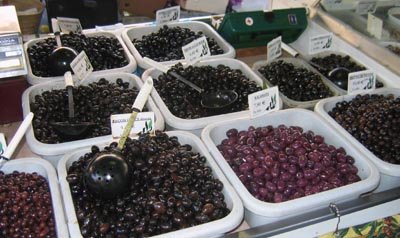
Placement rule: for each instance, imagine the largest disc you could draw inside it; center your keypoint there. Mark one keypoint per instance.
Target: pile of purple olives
(278, 164)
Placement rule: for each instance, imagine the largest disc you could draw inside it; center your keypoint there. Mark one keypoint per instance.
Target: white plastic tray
(53, 152)
(258, 212)
(211, 229)
(43, 168)
(196, 125)
(138, 32)
(298, 63)
(129, 68)
(390, 173)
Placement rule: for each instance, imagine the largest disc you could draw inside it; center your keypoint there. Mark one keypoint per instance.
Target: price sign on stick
(68, 25)
(274, 48)
(81, 66)
(171, 14)
(320, 43)
(361, 81)
(196, 50)
(144, 123)
(264, 101)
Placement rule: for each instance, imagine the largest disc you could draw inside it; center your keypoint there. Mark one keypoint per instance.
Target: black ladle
(60, 59)
(212, 100)
(108, 173)
(338, 75)
(71, 130)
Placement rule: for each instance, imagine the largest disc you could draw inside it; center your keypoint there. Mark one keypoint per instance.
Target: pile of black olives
(93, 103)
(394, 49)
(172, 188)
(25, 206)
(278, 164)
(103, 52)
(185, 102)
(374, 120)
(296, 83)
(166, 44)
(333, 61)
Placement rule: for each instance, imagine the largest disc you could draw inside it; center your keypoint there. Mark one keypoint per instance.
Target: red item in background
(11, 90)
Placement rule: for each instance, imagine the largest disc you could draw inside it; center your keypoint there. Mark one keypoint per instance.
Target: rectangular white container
(298, 63)
(196, 125)
(211, 229)
(258, 212)
(390, 173)
(139, 31)
(43, 168)
(129, 68)
(53, 152)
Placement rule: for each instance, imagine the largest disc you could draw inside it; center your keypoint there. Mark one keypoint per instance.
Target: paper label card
(144, 123)
(320, 43)
(264, 101)
(68, 25)
(366, 7)
(81, 66)
(3, 144)
(171, 14)
(361, 81)
(196, 50)
(274, 48)
(374, 26)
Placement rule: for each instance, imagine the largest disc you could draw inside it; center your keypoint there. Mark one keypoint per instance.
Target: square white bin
(258, 212)
(215, 228)
(390, 173)
(137, 32)
(129, 68)
(43, 168)
(196, 125)
(53, 152)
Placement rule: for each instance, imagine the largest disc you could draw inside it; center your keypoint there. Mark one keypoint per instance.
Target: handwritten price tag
(274, 48)
(320, 43)
(81, 66)
(263, 102)
(375, 26)
(196, 50)
(3, 144)
(170, 14)
(68, 25)
(144, 123)
(361, 81)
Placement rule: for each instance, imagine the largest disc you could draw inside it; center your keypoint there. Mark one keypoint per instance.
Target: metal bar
(318, 216)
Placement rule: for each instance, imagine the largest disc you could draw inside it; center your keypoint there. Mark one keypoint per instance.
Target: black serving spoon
(212, 100)
(60, 59)
(338, 75)
(108, 173)
(71, 129)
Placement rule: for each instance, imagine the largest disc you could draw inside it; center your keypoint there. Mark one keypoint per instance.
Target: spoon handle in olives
(137, 107)
(56, 30)
(16, 138)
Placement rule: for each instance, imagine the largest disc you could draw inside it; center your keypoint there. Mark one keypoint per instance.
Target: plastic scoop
(60, 59)
(16, 139)
(71, 130)
(108, 174)
(338, 75)
(212, 100)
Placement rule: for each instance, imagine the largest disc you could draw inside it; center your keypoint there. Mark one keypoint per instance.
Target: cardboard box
(141, 8)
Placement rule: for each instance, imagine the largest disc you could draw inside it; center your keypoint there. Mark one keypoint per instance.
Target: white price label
(196, 50)
(170, 14)
(320, 43)
(264, 101)
(68, 25)
(361, 81)
(274, 48)
(81, 66)
(375, 26)
(3, 144)
(366, 7)
(144, 123)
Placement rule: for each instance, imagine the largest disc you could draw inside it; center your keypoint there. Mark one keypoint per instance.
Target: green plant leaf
(394, 221)
(342, 233)
(371, 233)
